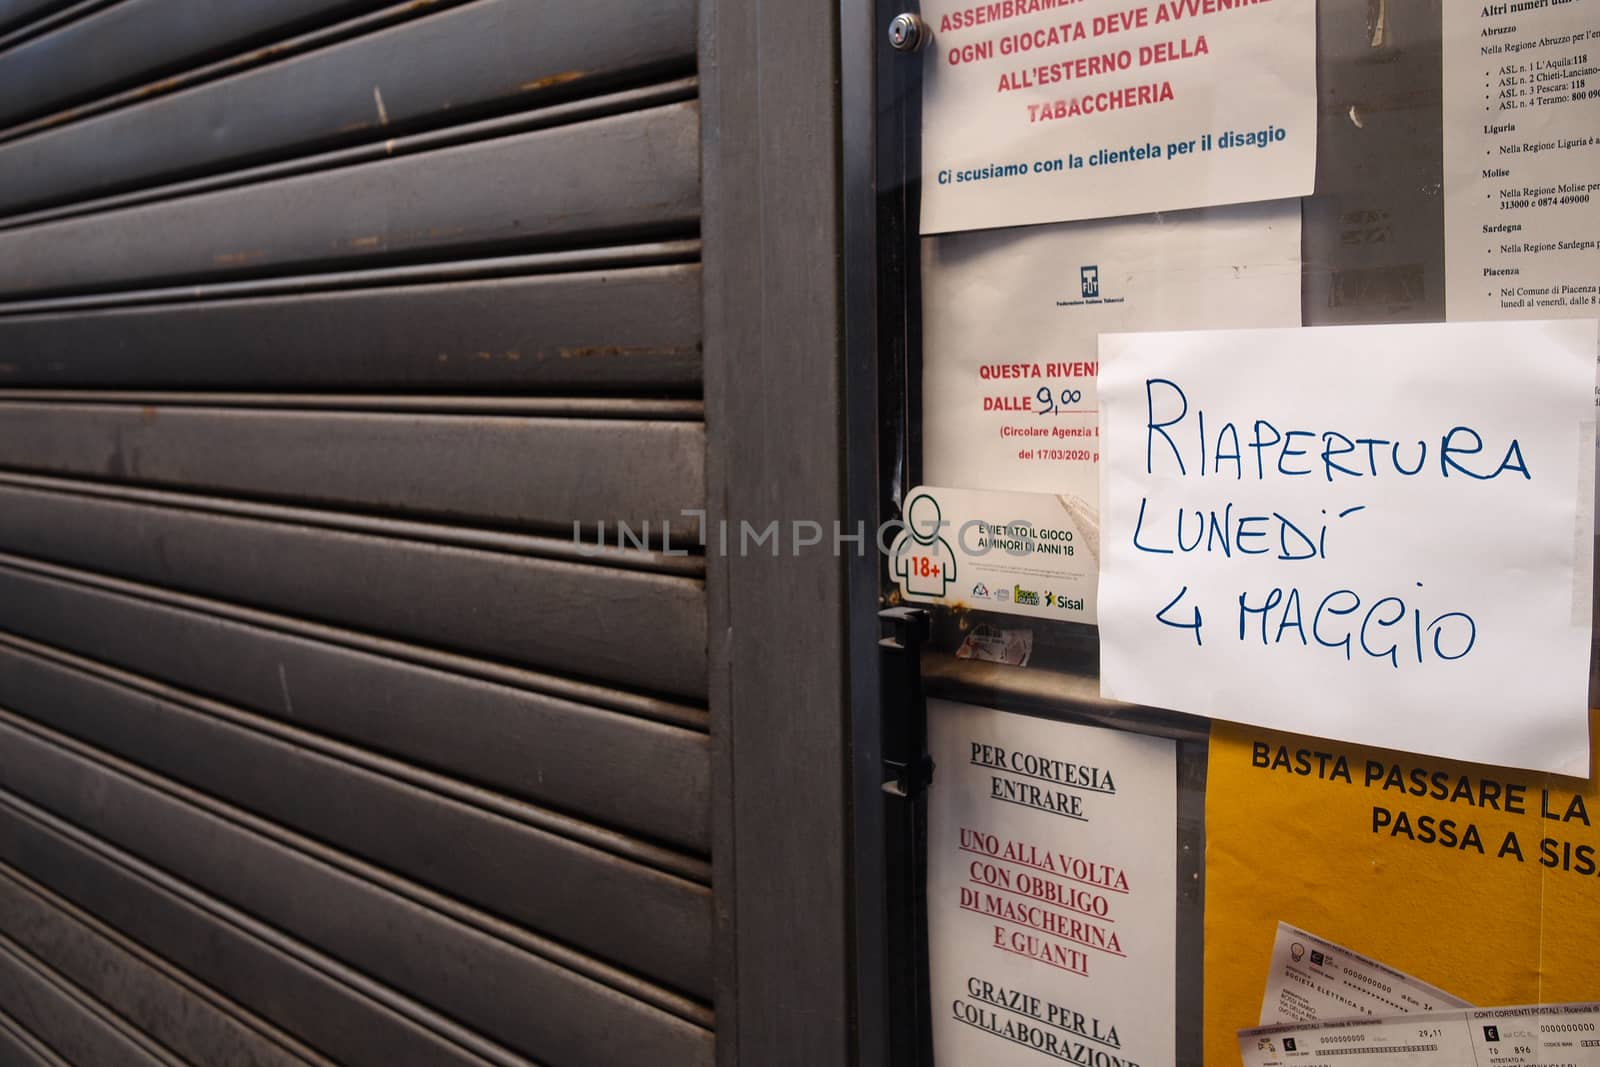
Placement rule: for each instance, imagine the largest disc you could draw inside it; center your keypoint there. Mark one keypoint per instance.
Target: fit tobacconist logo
(1091, 290)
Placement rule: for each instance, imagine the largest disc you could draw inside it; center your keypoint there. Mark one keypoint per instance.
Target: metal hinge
(907, 767)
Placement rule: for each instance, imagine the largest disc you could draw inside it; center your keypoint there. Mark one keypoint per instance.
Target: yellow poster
(1484, 882)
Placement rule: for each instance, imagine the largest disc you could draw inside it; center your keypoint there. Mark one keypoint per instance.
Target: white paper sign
(1548, 1035)
(1366, 533)
(1052, 110)
(1313, 979)
(1012, 553)
(1012, 320)
(1052, 889)
(1522, 159)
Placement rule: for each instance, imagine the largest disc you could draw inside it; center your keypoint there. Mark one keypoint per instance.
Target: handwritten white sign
(1377, 534)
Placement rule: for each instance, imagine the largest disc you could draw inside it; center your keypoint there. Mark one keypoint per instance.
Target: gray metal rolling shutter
(321, 324)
